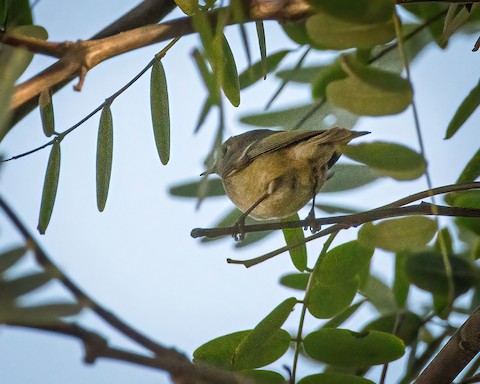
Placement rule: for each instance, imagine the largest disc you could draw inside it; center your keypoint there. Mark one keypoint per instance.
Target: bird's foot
(312, 222)
(239, 229)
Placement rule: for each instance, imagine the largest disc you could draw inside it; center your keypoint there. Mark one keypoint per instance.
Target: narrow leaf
(262, 45)
(343, 316)
(295, 236)
(50, 186)
(401, 285)
(208, 78)
(334, 378)
(295, 280)
(379, 294)
(464, 111)
(349, 176)
(189, 7)
(207, 107)
(255, 72)
(190, 189)
(12, 289)
(471, 170)
(41, 314)
(160, 111)
(46, 112)
(104, 156)
(225, 69)
(11, 257)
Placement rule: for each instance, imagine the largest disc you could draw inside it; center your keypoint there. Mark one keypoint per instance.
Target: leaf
(41, 314)
(46, 112)
(255, 72)
(207, 107)
(288, 118)
(190, 189)
(209, 80)
(326, 301)
(220, 351)
(261, 376)
(388, 159)
(326, 76)
(349, 176)
(50, 186)
(427, 271)
(343, 316)
(369, 91)
(104, 156)
(342, 347)
(11, 257)
(332, 209)
(398, 234)
(292, 236)
(297, 32)
(379, 294)
(160, 111)
(20, 286)
(464, 111)
(295, 280)
(304, 75)
(267, 342)
(407, 328)
(401, 285)
(362, 11)
(457, 15)
(262, 45)
(19, 13)
(334, 33)
(334, 378)
(189, 7)
(471, 170)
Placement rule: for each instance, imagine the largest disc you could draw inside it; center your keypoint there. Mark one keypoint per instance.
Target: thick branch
(84, 55)
(462, 347)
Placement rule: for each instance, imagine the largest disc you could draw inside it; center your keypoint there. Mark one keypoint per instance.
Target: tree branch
(455, 355)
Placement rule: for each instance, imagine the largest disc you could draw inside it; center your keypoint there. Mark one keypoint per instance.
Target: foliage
(369, 76)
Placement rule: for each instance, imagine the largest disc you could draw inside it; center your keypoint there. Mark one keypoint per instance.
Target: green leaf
(361, 11)
(19, 13)
(333, 209)
(303, 75)
(427, 271)
(324, 118)
(220, 351)
(343, 316)
(11, 257)
(160, 111)
(295, 280)
(297, 32)
(349, 176)
(46, 112)
(335, 281)
(342, 347)
(334, 33)
(464, 111)
(326, 301)
(369, 91)
(207, 107)
(398, 234)
(50, 186)
(379, 294)
(104, 156)
(209, 80)
(457, 15)
(189, 7)
(388, 159)
(267, 342)
(401, 285)
(262, 45)
(326, 76)
(427, 11)
(295, 236)
(12, 289)
(471, 170)
(190, 189)
(261, 376)
(407, 328)
(41, 314)
(255, 72)
(342, 263)
(334, 378)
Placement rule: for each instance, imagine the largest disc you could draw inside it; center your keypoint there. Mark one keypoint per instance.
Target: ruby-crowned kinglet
(272, 174)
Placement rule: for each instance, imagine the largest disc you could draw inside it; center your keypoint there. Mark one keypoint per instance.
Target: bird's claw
(239, 230)
(312, 222)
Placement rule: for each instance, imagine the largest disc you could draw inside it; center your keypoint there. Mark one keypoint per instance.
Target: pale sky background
(137, 258)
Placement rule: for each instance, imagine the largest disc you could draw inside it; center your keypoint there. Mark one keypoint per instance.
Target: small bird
(273, 174)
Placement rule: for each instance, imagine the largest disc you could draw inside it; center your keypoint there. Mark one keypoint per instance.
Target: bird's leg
(312, 224)
(239, 232)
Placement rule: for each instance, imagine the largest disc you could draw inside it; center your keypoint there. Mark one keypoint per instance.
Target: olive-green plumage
(281, 171)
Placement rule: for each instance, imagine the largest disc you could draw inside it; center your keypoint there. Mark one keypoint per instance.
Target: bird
(272, 174)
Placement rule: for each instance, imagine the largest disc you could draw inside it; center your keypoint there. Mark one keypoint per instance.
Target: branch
(82, 56)
(389, 210)
(96, 347)
(456, 354)
(147, 12)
